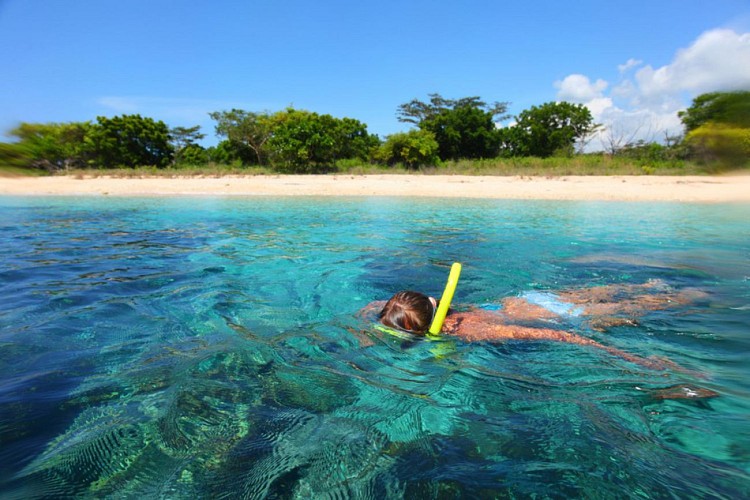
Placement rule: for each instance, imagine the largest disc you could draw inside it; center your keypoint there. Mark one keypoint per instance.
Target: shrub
(413, 149)
(722, 146)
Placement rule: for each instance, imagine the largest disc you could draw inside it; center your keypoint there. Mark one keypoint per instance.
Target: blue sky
(634, 63)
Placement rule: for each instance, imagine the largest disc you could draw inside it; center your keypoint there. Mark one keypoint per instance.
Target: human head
(409, 311)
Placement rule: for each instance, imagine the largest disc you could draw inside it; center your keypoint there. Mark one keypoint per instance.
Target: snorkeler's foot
(657, 284)
(684, 391)
(602, 323)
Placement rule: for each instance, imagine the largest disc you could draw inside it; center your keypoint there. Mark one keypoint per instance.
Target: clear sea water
(211, 348)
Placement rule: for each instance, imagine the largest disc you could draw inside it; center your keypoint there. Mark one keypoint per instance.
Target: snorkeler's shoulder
(471, 323)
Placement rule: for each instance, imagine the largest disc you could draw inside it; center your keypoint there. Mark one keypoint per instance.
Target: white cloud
(717, 60)
(578, 88)
(599, 105)
(644, 105)
(630, 64)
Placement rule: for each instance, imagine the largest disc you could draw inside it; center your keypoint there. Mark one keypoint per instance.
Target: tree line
(297, 141)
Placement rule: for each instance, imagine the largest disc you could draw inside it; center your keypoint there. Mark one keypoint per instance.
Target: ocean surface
(212, 348)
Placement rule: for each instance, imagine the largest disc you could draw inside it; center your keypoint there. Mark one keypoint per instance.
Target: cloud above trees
(643, 104)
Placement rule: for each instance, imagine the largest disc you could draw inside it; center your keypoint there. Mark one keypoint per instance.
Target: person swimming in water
(413, 312)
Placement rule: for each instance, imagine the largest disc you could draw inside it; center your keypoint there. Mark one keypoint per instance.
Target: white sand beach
(701, 189)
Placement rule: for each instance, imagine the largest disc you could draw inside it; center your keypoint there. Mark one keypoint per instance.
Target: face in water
(409, 311)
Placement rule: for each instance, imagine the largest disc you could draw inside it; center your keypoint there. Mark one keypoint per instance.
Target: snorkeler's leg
(634, 300)
(609, 294)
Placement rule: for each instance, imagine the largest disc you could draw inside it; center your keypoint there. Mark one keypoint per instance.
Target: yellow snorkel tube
(445, 300)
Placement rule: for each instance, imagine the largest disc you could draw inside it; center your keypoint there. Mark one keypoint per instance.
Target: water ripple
(211, 349)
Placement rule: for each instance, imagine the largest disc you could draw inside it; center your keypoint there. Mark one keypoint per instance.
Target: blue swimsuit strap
(552, 303)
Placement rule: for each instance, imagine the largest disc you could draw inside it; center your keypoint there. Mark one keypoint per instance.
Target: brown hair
(409, 311)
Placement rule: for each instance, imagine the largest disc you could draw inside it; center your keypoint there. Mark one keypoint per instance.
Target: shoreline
(697, 189)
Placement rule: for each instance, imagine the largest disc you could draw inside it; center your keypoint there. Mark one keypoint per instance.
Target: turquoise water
(211, 348)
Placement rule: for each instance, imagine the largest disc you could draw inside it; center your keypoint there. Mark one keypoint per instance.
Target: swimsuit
(547, 300)
(552, 303)
(490, 307)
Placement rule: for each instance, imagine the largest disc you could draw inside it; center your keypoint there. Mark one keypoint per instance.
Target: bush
(129, 141)
(14, 155)
(723, 147)
(192, 155)
(413, 149)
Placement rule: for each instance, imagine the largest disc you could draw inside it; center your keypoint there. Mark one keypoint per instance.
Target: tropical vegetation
(445, 135)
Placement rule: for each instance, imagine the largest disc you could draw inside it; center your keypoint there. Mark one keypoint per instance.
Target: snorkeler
(414, 313)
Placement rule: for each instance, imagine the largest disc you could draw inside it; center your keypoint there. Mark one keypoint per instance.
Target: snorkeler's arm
(361, 336)
(633, 300)
(572, 338)
(371, 309)
(477, 326)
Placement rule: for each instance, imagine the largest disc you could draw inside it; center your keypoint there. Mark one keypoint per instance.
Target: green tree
(728, 108)
(304, 141)
(183, 138)
(226, 152)
(14, 155)
(718, 129)
(193, 154)
(352, 139)
(416, 111)
(721, 146)
(464, 132)
(414, 148)
(549, 129)
(130, 141)
(54, 146)
(510, 141)
(463, 128)
(246, 131)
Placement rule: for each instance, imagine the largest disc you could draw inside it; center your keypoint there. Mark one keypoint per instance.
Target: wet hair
(408, 311)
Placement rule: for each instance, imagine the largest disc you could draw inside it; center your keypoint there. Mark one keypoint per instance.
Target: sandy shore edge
(707, 189)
